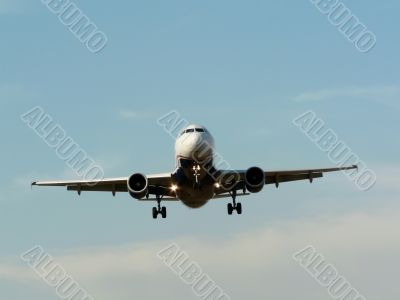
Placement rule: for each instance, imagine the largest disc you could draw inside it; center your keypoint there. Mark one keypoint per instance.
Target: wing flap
(279, 178)
(305, 171)
(99, 188)
(106, 181)
(158, 184)
(276, 177)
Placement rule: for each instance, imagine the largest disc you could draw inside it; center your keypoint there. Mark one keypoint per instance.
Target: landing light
(217, 185)
(174, 188)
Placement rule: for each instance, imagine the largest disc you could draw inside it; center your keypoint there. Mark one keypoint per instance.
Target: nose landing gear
(196, 174)
(234, 206)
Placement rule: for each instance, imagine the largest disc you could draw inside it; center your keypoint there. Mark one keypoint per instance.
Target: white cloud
(387, 95)
(257, 264)
(16, 272)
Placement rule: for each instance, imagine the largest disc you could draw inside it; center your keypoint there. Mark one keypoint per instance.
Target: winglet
(33, 183)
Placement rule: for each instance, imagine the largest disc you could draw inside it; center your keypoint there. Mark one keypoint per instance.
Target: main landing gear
(159, 210)
(234, 206)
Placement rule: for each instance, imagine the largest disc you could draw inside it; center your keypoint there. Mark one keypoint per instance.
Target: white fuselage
(194, 151)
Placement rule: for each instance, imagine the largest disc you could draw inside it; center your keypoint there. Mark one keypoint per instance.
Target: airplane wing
(158, 184)
(277, 177)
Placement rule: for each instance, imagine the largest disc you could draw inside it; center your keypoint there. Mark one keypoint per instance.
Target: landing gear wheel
(163, 212)
(155, 212)
(239, 208)
(230, 208)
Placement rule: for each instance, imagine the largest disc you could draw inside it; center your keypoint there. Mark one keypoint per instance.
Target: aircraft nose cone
(201, 148)
(198, 141)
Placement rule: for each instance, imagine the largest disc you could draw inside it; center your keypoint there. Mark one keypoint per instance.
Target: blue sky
(245, 70)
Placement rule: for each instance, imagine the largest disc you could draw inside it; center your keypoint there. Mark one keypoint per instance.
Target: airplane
(196, 178)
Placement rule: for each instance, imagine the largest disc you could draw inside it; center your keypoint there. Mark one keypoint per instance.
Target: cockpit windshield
(191, 130)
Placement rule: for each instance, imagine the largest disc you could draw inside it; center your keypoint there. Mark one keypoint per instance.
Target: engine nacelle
(138, 186)
(255, 180)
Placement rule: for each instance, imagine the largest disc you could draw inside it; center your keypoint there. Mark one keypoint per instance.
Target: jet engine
(255, 180)
(138, 186)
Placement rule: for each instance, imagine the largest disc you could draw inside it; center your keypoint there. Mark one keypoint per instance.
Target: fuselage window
(192, 130)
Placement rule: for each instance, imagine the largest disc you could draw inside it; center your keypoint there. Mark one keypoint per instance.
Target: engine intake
(255, 179)
(138, 186)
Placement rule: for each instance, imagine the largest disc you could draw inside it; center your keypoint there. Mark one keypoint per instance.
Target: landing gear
(196, 173)
(155, 212)
(230, 208)
(234, 206)
(163, 212)
(239, 208)
(159, 210)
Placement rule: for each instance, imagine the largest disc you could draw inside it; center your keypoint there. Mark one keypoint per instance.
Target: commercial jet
(196, 178)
